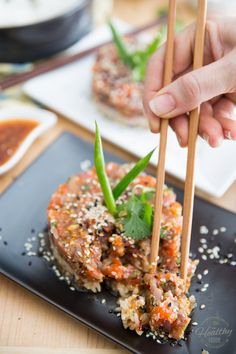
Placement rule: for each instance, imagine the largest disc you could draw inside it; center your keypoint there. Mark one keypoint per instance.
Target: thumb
(190, 90)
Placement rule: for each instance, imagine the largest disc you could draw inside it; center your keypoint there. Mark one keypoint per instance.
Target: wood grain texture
(33, 350)
(160, 175)
(29, 324)
(189, 186)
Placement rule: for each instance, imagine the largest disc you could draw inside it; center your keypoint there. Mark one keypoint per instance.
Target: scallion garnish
(101, 173)
(131, 175)
(137, 60)
(121, 47)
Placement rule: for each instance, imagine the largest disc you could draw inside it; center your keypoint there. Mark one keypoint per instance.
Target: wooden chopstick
(192, 139)
(58, 62)
(163, 140)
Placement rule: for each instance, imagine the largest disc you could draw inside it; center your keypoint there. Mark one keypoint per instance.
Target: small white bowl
(45, 119)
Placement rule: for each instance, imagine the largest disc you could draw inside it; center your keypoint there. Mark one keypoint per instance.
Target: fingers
(190, 90)
(155, 70)
(209, 128)
(180, 126)
(225, 115)
(217, 122)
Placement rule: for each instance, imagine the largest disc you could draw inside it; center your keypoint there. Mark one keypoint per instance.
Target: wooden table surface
(29, 324)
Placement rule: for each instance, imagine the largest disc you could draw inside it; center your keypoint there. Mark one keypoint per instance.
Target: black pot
(41, 39)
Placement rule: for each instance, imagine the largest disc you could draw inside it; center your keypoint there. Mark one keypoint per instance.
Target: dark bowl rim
(69, 12)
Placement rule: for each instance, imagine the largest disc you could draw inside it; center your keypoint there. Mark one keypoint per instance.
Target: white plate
(67, 90)
(45, 119)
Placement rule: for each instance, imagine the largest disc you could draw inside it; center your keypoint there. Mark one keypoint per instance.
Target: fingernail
(228, 135)
(205, 137)
(179, 139)
(154, 125)
(162, 105)
(219, 142)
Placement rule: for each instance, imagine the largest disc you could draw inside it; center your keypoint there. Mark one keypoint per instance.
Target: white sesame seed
(202, 306)
(206, 285)
(194, 323)
(215, 232)
(229, 255)
(223, 229)
(203, 230)
(200, 250)
(103, 301)
(203, 290)
(205, 272)
(211, 256)
(84, 165)
(204, 246)
(31, 254)
(72, 288)
(203, 240)
(204, 257)
(233, 263)
(199, 276)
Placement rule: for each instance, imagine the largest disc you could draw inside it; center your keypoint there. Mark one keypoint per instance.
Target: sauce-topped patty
(12, 133)
(91, 247)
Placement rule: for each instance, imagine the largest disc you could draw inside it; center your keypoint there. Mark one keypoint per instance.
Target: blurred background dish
(34, 29)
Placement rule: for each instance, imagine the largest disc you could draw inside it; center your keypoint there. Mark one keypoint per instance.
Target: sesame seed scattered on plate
(203, 230)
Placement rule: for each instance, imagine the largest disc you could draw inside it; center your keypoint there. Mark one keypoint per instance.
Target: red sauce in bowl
(12, 133)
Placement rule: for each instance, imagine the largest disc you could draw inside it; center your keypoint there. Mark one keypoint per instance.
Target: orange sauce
(12, 133)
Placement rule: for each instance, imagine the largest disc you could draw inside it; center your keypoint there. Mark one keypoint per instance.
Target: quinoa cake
(90, 247)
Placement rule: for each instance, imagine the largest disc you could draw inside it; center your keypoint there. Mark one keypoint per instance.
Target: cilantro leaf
(136, 228)
(136, 215)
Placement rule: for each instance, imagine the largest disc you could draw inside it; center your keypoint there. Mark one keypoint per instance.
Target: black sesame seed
(199, 282)
(23, 253)
(0, 229)
(169, 305)
(180, 344)
(32, 231)
(30, 263)
(5, 243)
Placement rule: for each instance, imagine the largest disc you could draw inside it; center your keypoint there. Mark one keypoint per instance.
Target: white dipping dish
(45, 120)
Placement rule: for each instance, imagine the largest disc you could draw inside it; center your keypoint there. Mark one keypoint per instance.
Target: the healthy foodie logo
(214, 332)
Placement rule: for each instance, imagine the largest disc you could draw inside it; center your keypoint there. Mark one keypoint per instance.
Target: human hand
(213, 85)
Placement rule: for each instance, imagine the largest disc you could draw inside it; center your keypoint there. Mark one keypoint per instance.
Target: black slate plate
(22, 208)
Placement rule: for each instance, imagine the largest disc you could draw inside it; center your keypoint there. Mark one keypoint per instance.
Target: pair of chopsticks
(60, 61)
(192, 139)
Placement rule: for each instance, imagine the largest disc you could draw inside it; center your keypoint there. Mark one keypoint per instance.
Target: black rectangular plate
(22, 208)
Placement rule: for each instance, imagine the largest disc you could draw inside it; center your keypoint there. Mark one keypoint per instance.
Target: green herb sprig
(110, 196)
(136, 216)
(131, 175)
(101, 173)
(137, 60)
